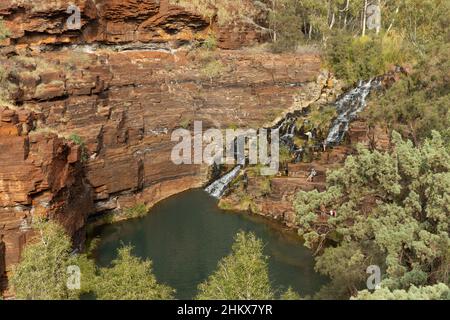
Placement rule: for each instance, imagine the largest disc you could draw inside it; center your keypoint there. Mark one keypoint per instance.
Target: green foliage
(76, 139)
(210, 43)
(185, 123)
(392, 210)
(418, 103)
(137, 211)
(130, 278)
(4, 94)
(286, 21)
(88, 272)
(80, 142)
(6, 87)
(246, 203)
(285, 154)
(320, 119)
(225, 205)
(421, 22)
(437, 292)
(290, 294)
(42, 271)
(354, 59)
(243, 275)
(264, 185)
(4, 32)
(408, 28)
(213, 69)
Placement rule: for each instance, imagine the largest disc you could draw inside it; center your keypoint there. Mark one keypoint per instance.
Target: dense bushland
(393, 210)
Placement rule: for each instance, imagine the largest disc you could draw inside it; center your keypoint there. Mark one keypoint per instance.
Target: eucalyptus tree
(243, 275)
(393, 210)
(130, 278)
(44, 272)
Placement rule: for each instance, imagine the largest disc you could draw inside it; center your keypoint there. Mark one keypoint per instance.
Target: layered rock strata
(122, 108)
(34, 22)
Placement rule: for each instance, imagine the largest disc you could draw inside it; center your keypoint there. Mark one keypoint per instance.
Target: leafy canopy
(4, 32)
(130, 278)
(42, 273)
(393, 210)
(437, 292)
(419, 103)
(243, 275)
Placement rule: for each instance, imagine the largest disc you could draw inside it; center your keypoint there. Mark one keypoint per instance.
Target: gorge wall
(133, 22)
(89, 127)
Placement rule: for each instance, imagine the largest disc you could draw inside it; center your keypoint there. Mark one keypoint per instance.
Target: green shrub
(185, 123)
(361, 58)
(79, 141)
(285, 154)
(265, 186)
(76, 139)
(130, 278)
(225, 205)
(320, 118)
(4, 32)
(210, 43)
(242, 275)
(137, 211)
(419, 102)
(247, 203)
(213, 69)
(42, 271)
(4, 96)
(286, 21)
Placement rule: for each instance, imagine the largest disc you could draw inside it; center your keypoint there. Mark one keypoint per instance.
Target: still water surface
(186, 235)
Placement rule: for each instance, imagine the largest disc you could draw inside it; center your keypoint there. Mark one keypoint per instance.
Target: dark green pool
(186, 235)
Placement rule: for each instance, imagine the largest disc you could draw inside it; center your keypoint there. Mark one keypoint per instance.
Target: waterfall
(218, 187)
(347, 107)
(287, 127)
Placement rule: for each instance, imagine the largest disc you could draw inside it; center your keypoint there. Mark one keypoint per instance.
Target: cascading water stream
(218, 187)
(347, 107)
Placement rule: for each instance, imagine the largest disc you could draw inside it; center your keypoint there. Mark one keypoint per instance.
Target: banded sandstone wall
(123, 104)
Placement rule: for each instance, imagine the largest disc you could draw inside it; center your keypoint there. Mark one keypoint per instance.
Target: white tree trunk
(364, 19)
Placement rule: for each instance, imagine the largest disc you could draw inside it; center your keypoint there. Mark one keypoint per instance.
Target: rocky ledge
(34, 22)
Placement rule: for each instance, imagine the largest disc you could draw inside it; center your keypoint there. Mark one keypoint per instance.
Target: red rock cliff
(123, 105)
(40, 176)
(117, 22)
